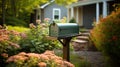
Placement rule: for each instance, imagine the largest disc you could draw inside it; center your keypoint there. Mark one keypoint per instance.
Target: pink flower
(14, 44)
(47, 19)
(5, 55)
(14, 32)
(23, 35)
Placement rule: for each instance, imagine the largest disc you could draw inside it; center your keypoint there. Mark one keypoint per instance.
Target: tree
(3, 12)
(19, 8)
(65, 2)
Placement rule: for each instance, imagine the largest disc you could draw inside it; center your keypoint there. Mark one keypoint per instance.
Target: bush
(8, 44)
(15, 22)
(106, 37)
(18, 28)
(36, 40)
(47, 59)
(8, 40)
(72, 20)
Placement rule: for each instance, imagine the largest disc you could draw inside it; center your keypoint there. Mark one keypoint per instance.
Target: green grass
(75, 59)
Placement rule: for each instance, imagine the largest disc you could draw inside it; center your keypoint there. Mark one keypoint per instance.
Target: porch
(86, 12)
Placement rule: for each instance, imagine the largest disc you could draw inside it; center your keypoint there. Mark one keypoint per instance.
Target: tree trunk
(33, 17)
(3, 12)
(13, 7)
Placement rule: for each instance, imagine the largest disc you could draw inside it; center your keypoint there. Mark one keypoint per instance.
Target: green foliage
(106, 37)
(72, 20)
(21, 9)
(15, 22)
(36, 40)
(17, 28)
(65, 2)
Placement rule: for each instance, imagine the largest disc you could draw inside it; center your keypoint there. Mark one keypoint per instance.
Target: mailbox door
(53, 30)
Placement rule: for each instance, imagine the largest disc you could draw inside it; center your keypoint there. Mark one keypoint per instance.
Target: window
(56, 14)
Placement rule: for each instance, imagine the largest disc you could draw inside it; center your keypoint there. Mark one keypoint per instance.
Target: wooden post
(66, 51)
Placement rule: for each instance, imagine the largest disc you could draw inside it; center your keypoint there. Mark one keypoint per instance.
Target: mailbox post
(64, 33)
(66, 50)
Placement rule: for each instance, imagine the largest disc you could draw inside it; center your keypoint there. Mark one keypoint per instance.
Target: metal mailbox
(63, 30)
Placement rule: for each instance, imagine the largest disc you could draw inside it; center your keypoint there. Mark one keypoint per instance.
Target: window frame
(58, 9)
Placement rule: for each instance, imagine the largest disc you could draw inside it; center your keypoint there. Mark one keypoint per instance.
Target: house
(87, 11)
(52, 11)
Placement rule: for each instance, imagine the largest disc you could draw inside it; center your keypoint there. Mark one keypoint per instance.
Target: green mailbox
(63, 30)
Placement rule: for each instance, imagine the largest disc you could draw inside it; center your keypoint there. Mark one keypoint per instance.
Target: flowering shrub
(36, 40)
(8, 44)
(106, 36)
(46, 20)
(47, 59)
(8, 40)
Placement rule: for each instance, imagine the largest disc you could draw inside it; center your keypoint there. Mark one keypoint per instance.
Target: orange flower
(33, 55)
(59, 62)
(42, 64)
(44, 57)
(22, 54)
(49, 52)
(4, 37)
(47, 56)
(15, 58)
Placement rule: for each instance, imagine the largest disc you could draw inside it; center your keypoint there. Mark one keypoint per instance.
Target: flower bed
(46, 59)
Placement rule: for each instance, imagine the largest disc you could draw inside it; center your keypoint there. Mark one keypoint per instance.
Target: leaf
(32, 49)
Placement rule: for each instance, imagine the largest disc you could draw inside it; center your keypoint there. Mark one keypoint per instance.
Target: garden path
(94, 57)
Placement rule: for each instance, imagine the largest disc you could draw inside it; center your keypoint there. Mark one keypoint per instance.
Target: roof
(86, 2)
(43, 6)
